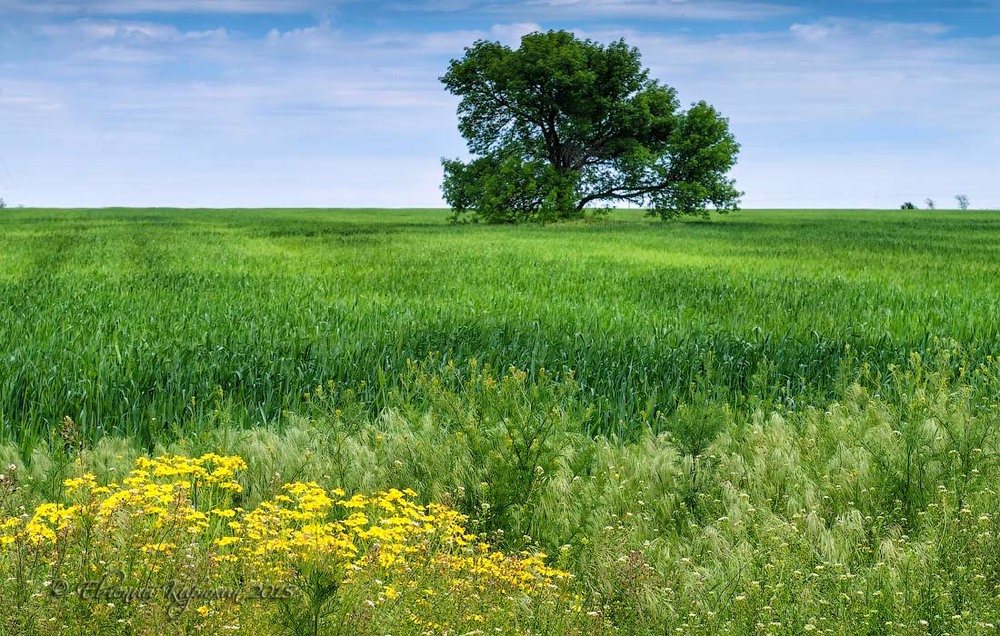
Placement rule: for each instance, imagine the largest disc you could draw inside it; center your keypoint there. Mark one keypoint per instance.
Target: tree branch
(622, 193)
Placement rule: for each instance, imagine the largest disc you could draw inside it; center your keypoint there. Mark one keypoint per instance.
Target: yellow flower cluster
(157, 499)
(387, 543)
(526, 572)
(387, 532)
(207, 470)
(49, 522)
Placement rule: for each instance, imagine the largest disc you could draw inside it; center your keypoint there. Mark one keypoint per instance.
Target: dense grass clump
(153, 323)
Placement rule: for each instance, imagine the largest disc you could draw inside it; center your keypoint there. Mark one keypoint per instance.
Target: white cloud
(309, 37)
(839, 29)
(128, 31)
(511, 34)
(21, 97)
(135, 7)
(655, 9)
(448, 44)
(609, 9)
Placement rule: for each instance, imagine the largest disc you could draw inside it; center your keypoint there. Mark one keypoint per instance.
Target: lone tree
(963, 201)
(561, 123)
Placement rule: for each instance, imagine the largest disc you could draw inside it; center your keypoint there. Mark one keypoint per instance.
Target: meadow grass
(776, 422)
(144, 322)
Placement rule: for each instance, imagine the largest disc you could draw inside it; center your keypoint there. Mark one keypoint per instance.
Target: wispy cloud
(839, 29)
(727, 10)
(660, 9)
(26, 97)
(137, 7)
(126, 31)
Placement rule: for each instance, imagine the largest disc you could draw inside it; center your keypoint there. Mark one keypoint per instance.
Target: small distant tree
(930, 204)
(908, 206)
(963, 201)
(3, 203)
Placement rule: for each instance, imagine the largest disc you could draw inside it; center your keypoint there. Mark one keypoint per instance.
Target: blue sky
(218, 103)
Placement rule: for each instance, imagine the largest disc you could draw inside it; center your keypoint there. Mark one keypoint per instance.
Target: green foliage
(511, 432)
(908, 206)
(561, 123)
(509, 189)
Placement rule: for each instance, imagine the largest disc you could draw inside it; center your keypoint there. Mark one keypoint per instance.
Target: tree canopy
(561, 124)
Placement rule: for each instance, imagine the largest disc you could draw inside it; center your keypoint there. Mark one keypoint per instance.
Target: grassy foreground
(774, 423)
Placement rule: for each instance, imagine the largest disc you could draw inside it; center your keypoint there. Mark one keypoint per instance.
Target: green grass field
(774, 422)
(118, 318)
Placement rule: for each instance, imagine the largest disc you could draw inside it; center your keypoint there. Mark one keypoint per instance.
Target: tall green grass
(158, 323)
